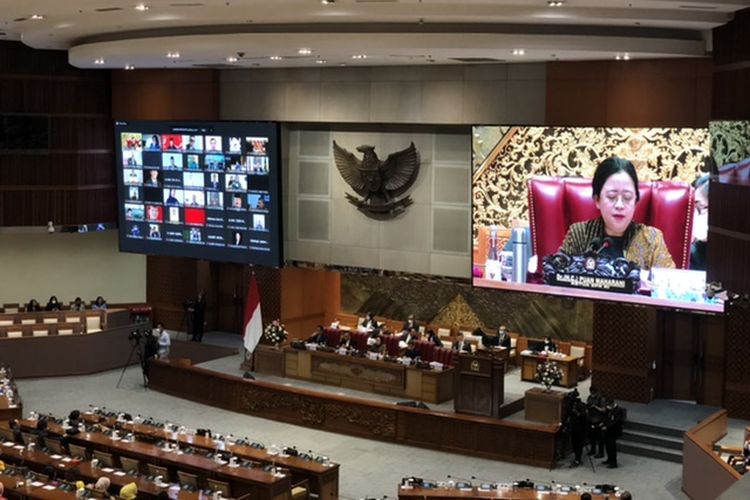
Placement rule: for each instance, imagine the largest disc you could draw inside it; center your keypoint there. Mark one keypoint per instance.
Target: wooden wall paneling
(269, 288)
(624, 351)
(731, 77)
(170, 281)
(712, 335)
(636, 93)
(737, 384)
(729, 236)
(303, 300)
(231, 296)
(37, 185)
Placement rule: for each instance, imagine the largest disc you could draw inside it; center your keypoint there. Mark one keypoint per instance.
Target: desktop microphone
(606, 243)
(595, 244)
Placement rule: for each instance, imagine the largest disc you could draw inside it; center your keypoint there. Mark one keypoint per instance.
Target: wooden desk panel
(568, 365)
(379, 377)
(518, 442)
(502, 494)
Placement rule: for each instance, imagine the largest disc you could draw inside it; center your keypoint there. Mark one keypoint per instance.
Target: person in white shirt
(165, 341)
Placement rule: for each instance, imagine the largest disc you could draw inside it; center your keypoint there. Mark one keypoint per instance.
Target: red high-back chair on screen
(557, 202)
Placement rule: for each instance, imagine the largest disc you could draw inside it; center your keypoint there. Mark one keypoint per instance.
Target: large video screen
(203, 190)
(601, 213)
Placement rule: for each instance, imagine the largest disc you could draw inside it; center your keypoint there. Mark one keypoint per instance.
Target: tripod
(136, 349)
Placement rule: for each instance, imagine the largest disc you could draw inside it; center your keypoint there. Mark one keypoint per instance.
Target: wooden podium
(480, 383)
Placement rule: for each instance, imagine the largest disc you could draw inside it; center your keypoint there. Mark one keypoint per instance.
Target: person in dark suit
(595, 411)
(411, 350)
(503, 338)
(409, 335)
(433, 337)
(548, 345)
(370, 323)
(410, 323)
(577, 424)
(460, 345)
(319, 336)
(613, 421)
(53, 304)
(346, 340)
(199, 316)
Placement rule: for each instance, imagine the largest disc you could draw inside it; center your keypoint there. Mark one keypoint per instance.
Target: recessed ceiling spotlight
(623, 57)
(555, 3)
(99, 61)
(519, 52)
(129, 67)
(141, 7)
(327, 2)
(37, 17)
(173, 55)
(304, 51)
(320, 61)
(275, 58)
(359, 56)
(232, 59)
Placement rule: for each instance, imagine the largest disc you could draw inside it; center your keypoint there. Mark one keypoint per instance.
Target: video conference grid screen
(202, 190)
(506, 158)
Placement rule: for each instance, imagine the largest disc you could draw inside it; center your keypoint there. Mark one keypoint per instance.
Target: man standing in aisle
(612, 430)
(199, 316)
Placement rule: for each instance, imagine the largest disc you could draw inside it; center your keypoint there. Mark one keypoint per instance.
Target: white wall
(69, 265)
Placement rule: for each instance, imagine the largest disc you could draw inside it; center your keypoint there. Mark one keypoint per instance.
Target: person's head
(369, 315)
(626, 495)
(411, 317)
(41, 425)
(153, 212)
(237, 202)
(615, 192)
(345, 334)
(160, 326)
(171, 160)
(50, 472)
(585, 495)
(77, 301)
(74, 415)
(154, 175)
(129, 491)
(610, 402)
(53, 299)
(13, 424)
(100, 300)
(501, 330)
(261, 203)
(155, 139)
(102, 484)
(460, 336)
(548, 339)
(411, 344)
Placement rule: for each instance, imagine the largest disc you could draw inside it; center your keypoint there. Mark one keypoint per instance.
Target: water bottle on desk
(520, 245)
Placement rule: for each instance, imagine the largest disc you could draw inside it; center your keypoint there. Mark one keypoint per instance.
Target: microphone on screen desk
(486, 483)
(461, 482)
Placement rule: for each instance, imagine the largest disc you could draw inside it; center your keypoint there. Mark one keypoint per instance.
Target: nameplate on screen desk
(592, 282)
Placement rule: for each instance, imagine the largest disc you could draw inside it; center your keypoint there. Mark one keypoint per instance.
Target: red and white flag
(253, 321)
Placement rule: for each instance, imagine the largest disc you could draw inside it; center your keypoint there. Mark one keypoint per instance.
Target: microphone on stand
(606, 243)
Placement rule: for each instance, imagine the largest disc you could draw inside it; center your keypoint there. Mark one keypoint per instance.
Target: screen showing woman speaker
(604, 213)
(202, 190)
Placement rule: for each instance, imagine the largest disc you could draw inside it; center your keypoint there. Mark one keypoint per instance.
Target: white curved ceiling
(388, 32)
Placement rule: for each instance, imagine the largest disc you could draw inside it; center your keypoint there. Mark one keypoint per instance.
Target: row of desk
(243, 480)
(322, 478)
(10, 401)
(503, 493)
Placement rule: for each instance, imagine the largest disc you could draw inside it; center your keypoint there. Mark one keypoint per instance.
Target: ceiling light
(275, 58)
(320, 61)
(129, 67)
(327, 2)
(359, 56)
(519, 52)
(37, 17)
(99, 61)
(555, 3)
(304, 51)
(232, 59)
(622, 57)
(173, 55)
(141, 7)
(626, 57)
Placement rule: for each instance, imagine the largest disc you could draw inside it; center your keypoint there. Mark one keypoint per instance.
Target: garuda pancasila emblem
(380, 183)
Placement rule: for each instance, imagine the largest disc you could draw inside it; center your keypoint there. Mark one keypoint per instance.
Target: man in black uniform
(199, 316)
(612, 430)
(577, 423)
(595, 407)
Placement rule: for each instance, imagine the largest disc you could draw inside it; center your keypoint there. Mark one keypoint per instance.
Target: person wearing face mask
(615, 192)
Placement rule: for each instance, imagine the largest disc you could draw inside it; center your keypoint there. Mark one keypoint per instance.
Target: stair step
(644, 450)
(656, 440)
(654, 429)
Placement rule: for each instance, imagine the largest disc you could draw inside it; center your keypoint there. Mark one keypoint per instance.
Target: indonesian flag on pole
(253, 323)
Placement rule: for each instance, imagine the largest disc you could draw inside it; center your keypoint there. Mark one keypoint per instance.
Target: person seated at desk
(53, 304)
(548, 345)
(369, 323)
(433, 337)
(15, 428)
(41, 432)
(746, 449)
(335, 324)
(319, 336)
(410, 323)
(346, 340)
(33, 306)
(99, 304)
(615, 193)
(375, 344)
(78, 305)
(503, 338)
(411, 350)
(130, 491)
(460, 344)
(408, 335)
